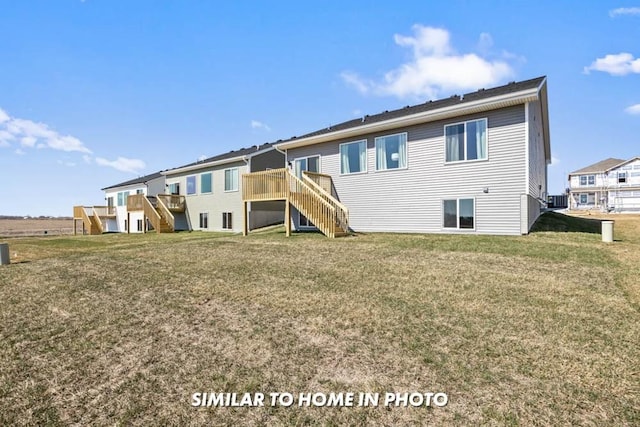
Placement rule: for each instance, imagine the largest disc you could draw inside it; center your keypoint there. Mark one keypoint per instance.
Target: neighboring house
(116, 197)
(212, 190)
(609, 185)
(116, 216)
(475, 163)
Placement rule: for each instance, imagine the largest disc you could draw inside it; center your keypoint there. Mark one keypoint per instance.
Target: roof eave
(501, 101)
(204, 165)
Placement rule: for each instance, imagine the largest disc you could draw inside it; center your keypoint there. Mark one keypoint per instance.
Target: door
(311, 164)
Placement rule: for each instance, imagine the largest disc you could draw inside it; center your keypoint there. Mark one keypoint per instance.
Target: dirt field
(35, 227)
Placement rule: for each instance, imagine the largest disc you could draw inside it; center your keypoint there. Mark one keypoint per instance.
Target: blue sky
(97, 92)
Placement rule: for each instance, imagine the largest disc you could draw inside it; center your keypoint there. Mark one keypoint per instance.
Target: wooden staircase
(311, 196)
(91, 218)
(158, 215)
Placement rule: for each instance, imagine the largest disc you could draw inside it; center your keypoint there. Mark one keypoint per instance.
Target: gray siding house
(475, 163)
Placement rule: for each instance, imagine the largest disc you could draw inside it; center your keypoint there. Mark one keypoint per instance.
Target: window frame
(622, 177)
(202, 175)
(406, 151)
(457, 228)
(464, 142)
(203, 218)
(591, 180)
(175, 185)
(195, 185)
(237, 180)
(227, 220)
(366, 156)
(140, 225)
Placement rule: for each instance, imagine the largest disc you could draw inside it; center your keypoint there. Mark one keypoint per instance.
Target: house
(475, 163)
(212, 190)
(116, 216)
(609, 185)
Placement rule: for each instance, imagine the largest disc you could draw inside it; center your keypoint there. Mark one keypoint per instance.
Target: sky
(97, 92)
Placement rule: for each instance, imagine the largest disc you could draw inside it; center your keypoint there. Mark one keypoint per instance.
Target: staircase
(308, 195)
(91, 223)
(154, 211)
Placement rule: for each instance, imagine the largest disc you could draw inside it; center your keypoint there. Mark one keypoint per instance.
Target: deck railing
(135, 202)
(85, 213)
(315, 208)
(151, 213)
(96, 219)
(173, 202)
(104, 211)
(166, 212)
(322, 184)
(265, 185)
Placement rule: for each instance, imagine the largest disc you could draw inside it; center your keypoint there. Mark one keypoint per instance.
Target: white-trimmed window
(231, 179)
(587, 180)
(622, 177)
(308, 164)
(587, 198)
(206, 183)
(458, 214)
(466, 141)
(174, 188)
(391, 152)
(191, 184)
(353, 157)
(139, 191)
(226, 221)
(204, 220)
(122, 198)
(140, 223)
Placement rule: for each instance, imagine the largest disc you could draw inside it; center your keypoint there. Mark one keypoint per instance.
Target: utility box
(607, 231)
(4, 254)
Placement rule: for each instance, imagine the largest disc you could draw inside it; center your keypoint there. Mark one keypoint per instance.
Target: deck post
(74, 226)
(128, 222)
(245, 224)
(287, 218)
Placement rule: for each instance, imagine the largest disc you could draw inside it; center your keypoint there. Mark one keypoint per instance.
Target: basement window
(458, 214)
(204, 220)
(226, 221)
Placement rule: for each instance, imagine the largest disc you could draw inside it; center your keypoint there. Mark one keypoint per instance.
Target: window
(204, 220)
(311, 164)
(587, 198)
(231, 179)
(353, 157)
(139, 225)
(458, 213)
(205, 183)
(191, 184)
(622, 177)
(174, 188)
(583, 180)
(226, 221)
(391, 152)
(591, 179)
(139, 191)
(122, 198)
(466, 141)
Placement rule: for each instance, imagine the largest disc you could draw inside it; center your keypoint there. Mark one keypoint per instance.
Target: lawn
(541, 329)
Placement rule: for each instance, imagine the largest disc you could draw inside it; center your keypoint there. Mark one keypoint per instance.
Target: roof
(601, 166)
(233, 155)
(429, 106)
(139, 180)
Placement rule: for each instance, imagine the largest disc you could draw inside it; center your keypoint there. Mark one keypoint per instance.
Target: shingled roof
(230, 155)
(601, 166)
(480, 94)
(139, 180)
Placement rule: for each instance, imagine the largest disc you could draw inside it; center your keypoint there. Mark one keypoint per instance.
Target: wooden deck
(311, 195)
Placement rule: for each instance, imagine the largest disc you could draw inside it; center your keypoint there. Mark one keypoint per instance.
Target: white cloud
(615, 64)
(554, 161)
(69, 164)
(5, 137)
(634, 109)
(19, 152)
(255, 124)
(123, 164)
(435, 67)
(30, 133)
(624, 11)
(202, 157)
(485, 42)
(87, 159)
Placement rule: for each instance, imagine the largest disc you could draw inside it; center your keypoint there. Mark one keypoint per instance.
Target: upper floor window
(122, 198)
(466, 141)
(205, 182)
(622, 177)
(353, 157)
(587, 180)
(174, 188)
(231, 179)
(391, 152)
(191, 184)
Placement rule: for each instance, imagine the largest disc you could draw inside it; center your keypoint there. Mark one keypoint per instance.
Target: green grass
(554, 221)
(116, 329)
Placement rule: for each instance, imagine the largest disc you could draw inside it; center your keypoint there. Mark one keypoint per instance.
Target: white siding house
(470, 164)
(116, 198)
(609, 185)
